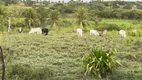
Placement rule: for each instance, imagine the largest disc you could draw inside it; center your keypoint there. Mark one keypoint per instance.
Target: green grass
(0, 39)
(124, 24)
(61, 53)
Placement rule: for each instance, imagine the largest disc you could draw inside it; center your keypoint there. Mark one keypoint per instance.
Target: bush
(127, 6)
(64, 23)
(68, 9)
(139, 5)
(109, 27)
(99, 62)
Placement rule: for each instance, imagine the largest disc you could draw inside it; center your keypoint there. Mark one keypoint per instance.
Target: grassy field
(59, 55)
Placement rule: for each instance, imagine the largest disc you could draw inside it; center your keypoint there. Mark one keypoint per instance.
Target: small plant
(99, 62)
(139, 33)
(109, 27)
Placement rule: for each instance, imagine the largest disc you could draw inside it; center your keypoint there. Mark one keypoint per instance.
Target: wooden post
(9, 22)
(3, 65)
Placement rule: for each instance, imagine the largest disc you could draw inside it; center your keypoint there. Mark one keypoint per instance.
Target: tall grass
(58, 56)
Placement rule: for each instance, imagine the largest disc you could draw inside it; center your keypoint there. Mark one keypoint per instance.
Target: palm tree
(81, 17)
(43, 15)
(54, 16)
(31, 17)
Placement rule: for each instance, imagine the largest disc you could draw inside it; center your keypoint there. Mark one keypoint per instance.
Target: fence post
(3, 65)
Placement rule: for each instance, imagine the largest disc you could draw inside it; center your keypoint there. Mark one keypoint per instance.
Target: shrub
(127, 6)
(64, 23)
(68, 9)
(109, 27)
(99, 62)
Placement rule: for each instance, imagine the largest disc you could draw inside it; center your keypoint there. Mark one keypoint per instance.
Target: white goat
(122, 33)
(94, 32)
(36, 30)
(79, 32)
(20, 30)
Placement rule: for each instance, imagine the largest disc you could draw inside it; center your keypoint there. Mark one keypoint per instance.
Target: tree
(10, 14)
(7, 14)
(8, 2)
(93, 16)
(43, 15)
(54, 17)
(81, 17)
(116, 14)
(29, 2)
(31, 17)
(3, 15)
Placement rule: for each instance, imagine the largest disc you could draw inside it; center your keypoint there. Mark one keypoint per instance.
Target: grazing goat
(20, 30)
(122, 33)
(104, 32)
(45, 31)
(36, 30)
(79, 32)
(94, 32)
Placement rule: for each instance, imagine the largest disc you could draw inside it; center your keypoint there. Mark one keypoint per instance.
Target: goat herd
(36, 30)
(122, 33)
(79, 31)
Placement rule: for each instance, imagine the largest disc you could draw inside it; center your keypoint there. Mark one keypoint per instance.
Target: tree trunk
(9, 20)
(3, 65)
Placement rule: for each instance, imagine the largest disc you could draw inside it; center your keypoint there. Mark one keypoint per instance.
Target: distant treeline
(35, 13)
(103, 9)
